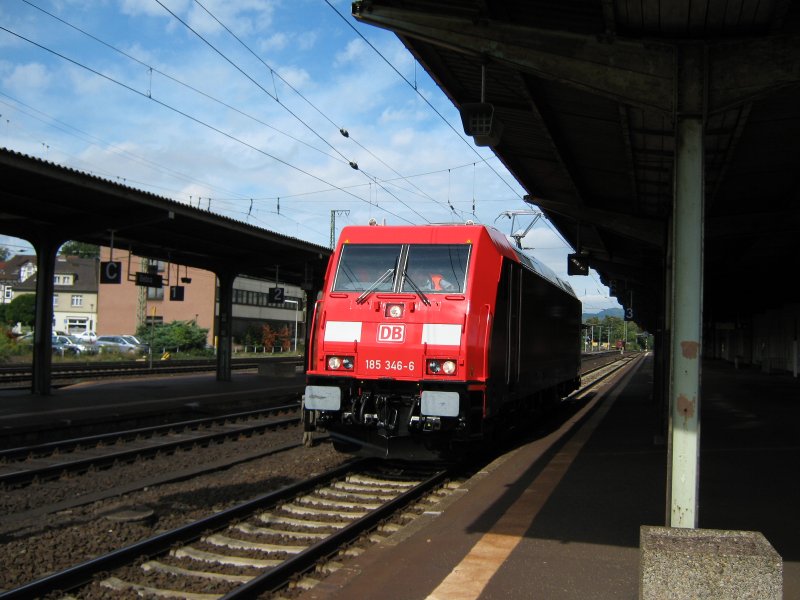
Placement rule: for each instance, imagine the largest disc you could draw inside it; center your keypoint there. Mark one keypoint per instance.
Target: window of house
(62, 279)
(154, 293)
(77, 300)
(55, 300)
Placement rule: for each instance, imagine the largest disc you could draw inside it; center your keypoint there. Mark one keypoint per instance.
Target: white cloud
(277, 41)
(27, 77)
(354, 49)
(296, 77)
(137, 8)
(306, 40)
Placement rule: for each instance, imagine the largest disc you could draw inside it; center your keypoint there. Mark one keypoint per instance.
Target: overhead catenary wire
(194, 119)
(352, 163)
(377, 180)
(344, 132)
(421, 95)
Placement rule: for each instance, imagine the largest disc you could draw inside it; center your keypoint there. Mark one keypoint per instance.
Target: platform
(561, 520)
(135, 400)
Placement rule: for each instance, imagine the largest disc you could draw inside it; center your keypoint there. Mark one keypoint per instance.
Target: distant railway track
(255, 547)
(23, 465)
(17, 376)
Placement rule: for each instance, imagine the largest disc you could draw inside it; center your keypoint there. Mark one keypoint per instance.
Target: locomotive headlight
(336, 363)
(394, 310)
(436, 366)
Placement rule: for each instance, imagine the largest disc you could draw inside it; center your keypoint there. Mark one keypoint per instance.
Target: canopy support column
(687, 291)
(224, 320)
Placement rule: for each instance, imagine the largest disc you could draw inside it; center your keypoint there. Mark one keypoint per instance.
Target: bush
(178, 335)
(6, 348)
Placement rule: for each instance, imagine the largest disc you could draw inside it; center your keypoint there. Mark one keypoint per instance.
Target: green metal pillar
(687, 291)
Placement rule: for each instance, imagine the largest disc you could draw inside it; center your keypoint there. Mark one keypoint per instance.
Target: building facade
(75, 293)
(13, 272)
(124, 306)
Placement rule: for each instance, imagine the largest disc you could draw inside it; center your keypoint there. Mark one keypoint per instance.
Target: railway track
(595, 372)
(215, 555)
(255, 547)
(19, 376)
(23, 465)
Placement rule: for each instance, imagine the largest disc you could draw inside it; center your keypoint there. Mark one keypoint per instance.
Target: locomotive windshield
(409, 268)
(362, 265)
(436, 268)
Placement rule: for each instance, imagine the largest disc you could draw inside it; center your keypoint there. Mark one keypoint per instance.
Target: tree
(80, 249)
(22, 309)
(4, 253)
(285, 338)
(268, 336)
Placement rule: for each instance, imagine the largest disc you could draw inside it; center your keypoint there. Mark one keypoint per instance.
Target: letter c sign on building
(111, 272)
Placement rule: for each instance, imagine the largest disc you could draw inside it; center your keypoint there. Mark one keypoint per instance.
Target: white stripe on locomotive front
(434, 334)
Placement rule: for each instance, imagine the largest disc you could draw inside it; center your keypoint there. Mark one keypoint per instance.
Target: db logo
(391, 333)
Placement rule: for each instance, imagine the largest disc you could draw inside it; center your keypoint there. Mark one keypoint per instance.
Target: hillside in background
(608, 312)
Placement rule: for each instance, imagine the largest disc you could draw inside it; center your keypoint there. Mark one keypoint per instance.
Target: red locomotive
(430, 338)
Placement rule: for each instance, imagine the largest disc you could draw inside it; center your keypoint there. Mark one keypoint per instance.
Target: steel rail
(46, 448)
(80, 464)
(23, 373)
(84, 572)
(277, 577)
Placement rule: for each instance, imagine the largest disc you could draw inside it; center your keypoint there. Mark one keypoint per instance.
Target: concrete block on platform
(710, 564)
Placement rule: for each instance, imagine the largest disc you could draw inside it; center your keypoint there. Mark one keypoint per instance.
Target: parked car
(64, 346)
(84, 346)
(86, 336)
(135, 340)
(118, 343)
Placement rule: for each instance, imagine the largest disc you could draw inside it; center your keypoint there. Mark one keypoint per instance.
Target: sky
(258, 110)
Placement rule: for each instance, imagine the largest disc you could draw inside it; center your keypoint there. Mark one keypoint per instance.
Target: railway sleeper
(119, 585)
(223, 559)
(273, 519)
(298, 509)
(224, 541)
(320, 500)
(255, 530)
(159, 567)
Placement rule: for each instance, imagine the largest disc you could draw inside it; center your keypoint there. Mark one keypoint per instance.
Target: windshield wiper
(415, 287)
(363, 297)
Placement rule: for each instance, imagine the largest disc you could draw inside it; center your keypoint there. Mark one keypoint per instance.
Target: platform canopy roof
(584, 105)
(43, 201)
